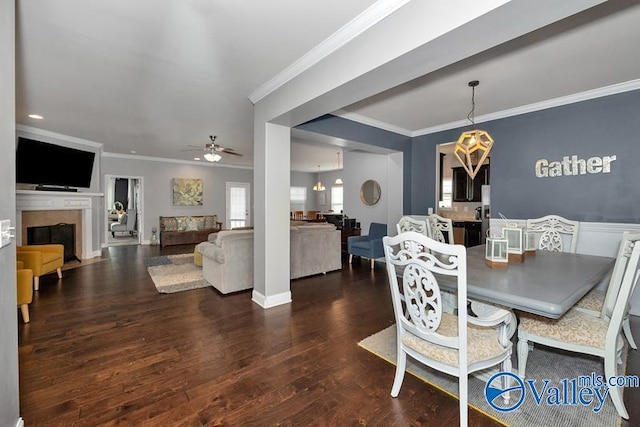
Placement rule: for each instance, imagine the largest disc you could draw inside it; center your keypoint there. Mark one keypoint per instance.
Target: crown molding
(54, 135)
(372, 122)
(538, 106)
(365, 20)
(165, 160)
(543, 105)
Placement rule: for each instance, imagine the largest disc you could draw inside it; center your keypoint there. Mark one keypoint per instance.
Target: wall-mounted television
(44, 164)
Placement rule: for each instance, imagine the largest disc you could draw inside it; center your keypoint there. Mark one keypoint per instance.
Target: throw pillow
(192, 224)
(122, 218)
(183, 222)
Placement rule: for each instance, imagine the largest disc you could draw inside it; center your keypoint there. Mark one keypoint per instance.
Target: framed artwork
(187, 192)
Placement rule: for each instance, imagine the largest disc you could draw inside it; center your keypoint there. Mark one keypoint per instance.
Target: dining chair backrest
(408, 223)
(419, 259)
(625, 269)
(440, 228)
(440, 340)
(555, 233)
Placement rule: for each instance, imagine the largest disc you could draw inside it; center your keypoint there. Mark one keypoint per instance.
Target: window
(336, 199)
(446, 196)
(297, 198)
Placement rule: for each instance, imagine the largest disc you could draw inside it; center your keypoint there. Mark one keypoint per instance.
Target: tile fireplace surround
(53, 205)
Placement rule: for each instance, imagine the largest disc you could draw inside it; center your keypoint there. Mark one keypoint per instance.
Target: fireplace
(64, 234)
(46, 208)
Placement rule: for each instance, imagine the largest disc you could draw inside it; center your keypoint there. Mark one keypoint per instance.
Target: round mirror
(370, 192)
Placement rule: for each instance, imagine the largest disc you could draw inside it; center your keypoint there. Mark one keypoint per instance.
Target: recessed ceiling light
(133, 152)
(36, 116)
(196, 158)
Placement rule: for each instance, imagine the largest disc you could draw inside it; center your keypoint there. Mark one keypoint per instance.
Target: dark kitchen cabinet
(466, 189)
(467, 232)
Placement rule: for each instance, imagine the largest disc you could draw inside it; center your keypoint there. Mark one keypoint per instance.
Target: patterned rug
(543, 363)
(175, 273)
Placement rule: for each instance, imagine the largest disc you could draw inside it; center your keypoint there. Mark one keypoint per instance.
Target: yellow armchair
(41, 259)
(24, 280)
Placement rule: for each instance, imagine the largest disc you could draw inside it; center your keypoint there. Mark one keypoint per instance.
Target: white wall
(386, 170)
(9, 393)
(157, 192)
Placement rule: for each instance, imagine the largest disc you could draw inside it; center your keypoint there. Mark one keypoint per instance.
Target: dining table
(546, 283)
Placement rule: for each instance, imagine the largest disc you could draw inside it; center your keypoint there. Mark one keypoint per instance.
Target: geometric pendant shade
(472, 148)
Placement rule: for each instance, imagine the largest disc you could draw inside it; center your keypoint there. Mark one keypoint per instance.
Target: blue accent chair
(369, 246)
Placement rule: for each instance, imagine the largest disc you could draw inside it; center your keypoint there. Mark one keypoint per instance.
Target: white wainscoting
(594, 238)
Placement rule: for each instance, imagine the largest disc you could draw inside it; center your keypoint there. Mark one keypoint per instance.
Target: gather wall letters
(571, 166)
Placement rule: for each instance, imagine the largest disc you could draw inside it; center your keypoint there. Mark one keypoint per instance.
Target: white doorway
(125, 192)
(238, 204)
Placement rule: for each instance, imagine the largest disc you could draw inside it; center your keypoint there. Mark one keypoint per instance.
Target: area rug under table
(543, 363)
(175, 273)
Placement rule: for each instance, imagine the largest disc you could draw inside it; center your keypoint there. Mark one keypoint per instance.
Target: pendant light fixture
(338, 180)
(473, 146)
(318, 186)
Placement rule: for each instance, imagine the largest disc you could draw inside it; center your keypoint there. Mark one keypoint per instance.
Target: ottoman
(197, 257)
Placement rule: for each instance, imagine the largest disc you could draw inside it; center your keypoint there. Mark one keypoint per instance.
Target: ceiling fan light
(211, 157)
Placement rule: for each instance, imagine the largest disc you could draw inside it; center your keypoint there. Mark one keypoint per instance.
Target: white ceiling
(155, 76)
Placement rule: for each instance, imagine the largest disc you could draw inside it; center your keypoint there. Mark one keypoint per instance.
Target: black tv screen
(42, 163)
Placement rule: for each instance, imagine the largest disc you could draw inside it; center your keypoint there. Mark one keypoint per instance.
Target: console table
(345, 233)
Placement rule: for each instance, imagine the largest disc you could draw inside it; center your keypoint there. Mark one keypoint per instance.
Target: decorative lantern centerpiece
(496, 254)
(515, 238)
(530, 243)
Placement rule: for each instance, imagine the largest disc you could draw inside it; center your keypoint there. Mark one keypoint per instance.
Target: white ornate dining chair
(408, 223)
(596, 300)
(456, 345)
(555, 233)
(440, 228)
(583, 333)
(561, 235)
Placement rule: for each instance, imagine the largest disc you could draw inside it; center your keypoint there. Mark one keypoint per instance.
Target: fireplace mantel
(31, 200)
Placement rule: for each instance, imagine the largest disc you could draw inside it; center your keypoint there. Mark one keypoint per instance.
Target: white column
(271, 176)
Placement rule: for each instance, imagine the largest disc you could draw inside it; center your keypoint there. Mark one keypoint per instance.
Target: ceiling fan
(212, 150)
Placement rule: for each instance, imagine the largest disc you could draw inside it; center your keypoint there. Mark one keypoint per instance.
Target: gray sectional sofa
(227, 259)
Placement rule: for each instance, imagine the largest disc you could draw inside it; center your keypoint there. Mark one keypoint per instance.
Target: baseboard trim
(271, 300)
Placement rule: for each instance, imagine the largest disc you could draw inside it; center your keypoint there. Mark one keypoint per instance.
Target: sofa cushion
(225, 235)
(122, 218)
(315, 226)
(183, 223)
(170, 223)
(209, 222)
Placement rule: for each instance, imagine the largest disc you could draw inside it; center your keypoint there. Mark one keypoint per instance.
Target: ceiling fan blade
(229, 151)
(193, 149)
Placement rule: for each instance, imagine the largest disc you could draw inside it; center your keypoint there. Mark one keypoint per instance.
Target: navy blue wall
(353, 131)
(595, 128)
(599, 127)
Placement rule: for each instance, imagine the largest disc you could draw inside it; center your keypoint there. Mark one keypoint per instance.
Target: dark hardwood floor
(103, 347)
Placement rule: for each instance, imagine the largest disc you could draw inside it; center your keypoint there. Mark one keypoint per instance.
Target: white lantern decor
(515, 238)
(496, 254)
(529, 243)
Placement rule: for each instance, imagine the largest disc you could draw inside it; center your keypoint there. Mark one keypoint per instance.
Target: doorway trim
(139, 208)
(247, 187)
